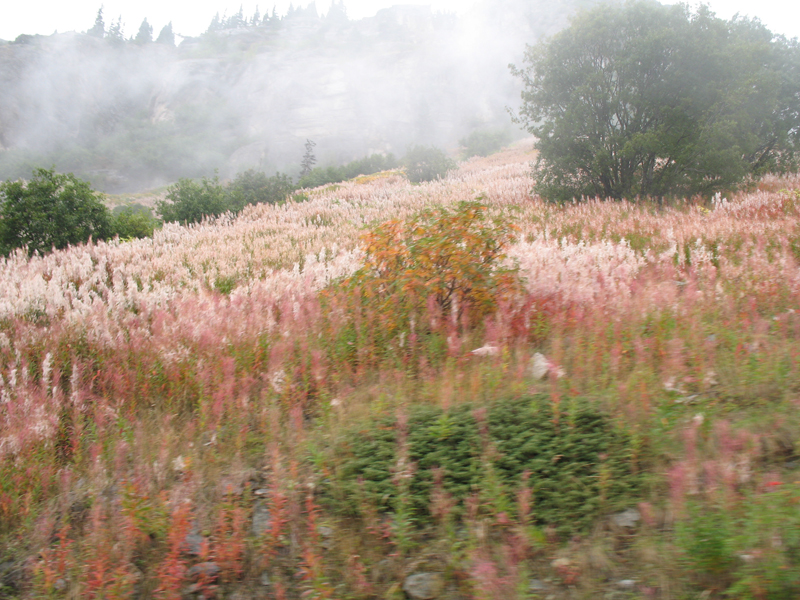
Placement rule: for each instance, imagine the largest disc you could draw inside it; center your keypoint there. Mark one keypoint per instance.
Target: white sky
(191, 18)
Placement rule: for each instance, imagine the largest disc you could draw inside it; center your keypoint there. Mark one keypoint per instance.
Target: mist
(130, 117)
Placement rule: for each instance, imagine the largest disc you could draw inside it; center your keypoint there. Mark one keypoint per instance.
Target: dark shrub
(578, 460)
(425, 163)
(133, 221)
(484, 143)
(254, 187)
(191, 201)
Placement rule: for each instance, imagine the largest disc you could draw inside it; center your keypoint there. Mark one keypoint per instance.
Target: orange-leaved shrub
(438, 273)
(427, 284)
(454, 256)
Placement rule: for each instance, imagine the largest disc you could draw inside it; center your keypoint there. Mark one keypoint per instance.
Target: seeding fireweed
(295, 403)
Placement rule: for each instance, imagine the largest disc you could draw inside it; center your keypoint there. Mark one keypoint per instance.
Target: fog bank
(132, 116)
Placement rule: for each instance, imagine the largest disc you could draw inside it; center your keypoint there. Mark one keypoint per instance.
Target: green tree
(52, 210)
(133, 221)
(254, 187)
(425, 163)
(643, 99)
(166, 36)
(145, 34)
(99, 28)
(275, 19)
(190, 201)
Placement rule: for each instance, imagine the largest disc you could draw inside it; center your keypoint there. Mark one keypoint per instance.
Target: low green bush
(749, 547)
(484, 142)
(190, 201)
(133, 221)
(365, 166)
(255, 187)
(426, 163)
(578, 460)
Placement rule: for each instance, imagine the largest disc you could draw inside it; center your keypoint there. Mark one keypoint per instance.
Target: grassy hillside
(446, 390)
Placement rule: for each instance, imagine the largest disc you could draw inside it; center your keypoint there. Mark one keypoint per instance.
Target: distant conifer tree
(235, 21)
(215, 25)
(145, 34)
(337, 12)
(256, 20)
(115, 32)
(99, 28)
(275, 20)
(309, 160)
(166, 36)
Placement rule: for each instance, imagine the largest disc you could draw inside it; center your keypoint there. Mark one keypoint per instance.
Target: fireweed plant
(309, 401)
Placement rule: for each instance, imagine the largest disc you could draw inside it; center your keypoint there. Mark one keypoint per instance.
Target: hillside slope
(218, 410)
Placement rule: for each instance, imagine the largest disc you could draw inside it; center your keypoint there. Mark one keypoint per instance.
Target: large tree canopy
(643, 99)
(52, 210)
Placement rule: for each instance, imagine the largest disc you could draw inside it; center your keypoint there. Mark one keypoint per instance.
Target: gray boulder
(261, 519)
(423, 586)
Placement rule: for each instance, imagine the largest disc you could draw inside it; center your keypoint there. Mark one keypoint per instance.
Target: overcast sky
(191, 18)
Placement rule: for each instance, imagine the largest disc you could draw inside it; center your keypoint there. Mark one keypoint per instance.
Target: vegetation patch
(427, 163)
(589, 395)
(577, 462)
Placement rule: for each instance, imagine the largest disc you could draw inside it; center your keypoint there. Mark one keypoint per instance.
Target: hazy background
(45, 17)
(375, 78)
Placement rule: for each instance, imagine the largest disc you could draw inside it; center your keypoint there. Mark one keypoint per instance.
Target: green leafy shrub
(705, 538)
(225, 285)
(322, 176)
(191, 201)
(769, 538)
(365, 166)
(133, 221)
(483, 142)
(578, 461)
(424, 163)
(254, 187)
(750, 548)
(52, 210)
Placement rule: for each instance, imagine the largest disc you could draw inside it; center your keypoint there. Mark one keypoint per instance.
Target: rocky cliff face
(133, 116)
